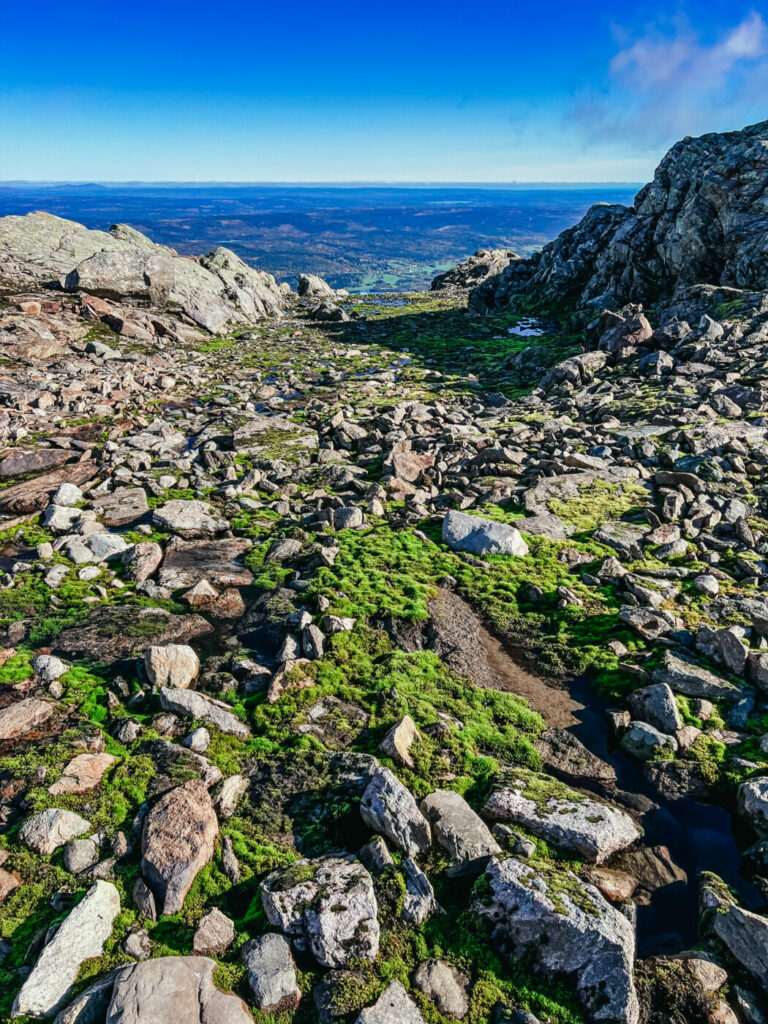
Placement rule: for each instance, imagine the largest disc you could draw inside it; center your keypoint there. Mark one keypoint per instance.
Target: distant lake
(361, 237)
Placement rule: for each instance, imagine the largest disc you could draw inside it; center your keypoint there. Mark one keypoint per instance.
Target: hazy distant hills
(370, 238)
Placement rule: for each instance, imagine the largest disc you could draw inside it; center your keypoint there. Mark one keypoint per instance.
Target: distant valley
(364, 238)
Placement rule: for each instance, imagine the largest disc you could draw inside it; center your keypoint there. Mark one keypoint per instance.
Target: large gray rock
(196, 705)
(700, 221)
(462, 834)
(327, 906)
(80, 936)
(753, 803)
(313, 286)
(444, 985)
(172, 990)
(388, 807)
(644, 742)
(480, 536)
(213, 291)
(177, 841)
(685, 676)
(189, 518)
(656, 704)
(394, 1006)
(46, 831)
(744, 933)
(561, 815)
(567, 928)
(171, 665)
(271, 974)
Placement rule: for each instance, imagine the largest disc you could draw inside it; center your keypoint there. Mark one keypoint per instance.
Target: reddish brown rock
(178, 840)
(22, 717)
(83, 772)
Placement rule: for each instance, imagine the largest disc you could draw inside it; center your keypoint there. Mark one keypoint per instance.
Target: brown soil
(456, 634)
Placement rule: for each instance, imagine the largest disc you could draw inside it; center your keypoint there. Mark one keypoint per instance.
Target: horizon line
(363, 183)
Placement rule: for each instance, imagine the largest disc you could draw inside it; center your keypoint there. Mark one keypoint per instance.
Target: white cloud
(662, 85)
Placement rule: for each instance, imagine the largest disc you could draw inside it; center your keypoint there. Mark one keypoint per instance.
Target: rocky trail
(390, 659)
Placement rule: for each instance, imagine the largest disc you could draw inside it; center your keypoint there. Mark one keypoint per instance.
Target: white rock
(480, 536)
(174, 665)
(81, 935)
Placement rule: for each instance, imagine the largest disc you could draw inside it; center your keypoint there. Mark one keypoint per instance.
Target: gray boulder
(394, 1006)
(312, 285)
(445, 986)
(169, 990)
(327, 906)
(271, 974)
(480, 536)
(561, 815)
(656, 704)
(196, 705)
(685, 676)
(388, 807)
(643, 741)
(46, 831)
(459, 831)
(744, 933)
(568, 928)
(753, 803)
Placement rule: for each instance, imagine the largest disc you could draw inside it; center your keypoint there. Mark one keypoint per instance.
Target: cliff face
(702, 220)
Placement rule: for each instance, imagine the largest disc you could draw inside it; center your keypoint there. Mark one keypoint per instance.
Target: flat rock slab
(123, 506)
(187, 562)
(561, 815)
(33, 495)
(189, 519)
(178, 840)
(27, 463)
(22, 717)
(693, 680)
(163, 990)
(80, 936)
(83, 773)
(114, 634)
(567, 756)
(570, 485)
(197, 705)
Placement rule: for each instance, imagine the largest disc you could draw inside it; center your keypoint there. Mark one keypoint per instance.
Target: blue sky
(420, 91)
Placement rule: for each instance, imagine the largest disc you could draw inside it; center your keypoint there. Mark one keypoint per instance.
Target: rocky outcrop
(561, 815)
(474, 270)
(327, 906)
(568, 928)
(700, 221)
(212, 292)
